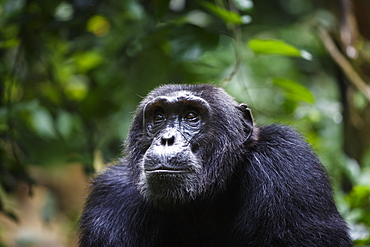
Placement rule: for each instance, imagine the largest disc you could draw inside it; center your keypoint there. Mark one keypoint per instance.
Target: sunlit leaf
(42, 123)
(64, 12)
(278, 47)
(199, 18)
(244, 4)
(64, 123)
(246, 19)
(359, 196)
(98, 25)
(77, 87)
(294, 91)
(88, 60)
(226, 15)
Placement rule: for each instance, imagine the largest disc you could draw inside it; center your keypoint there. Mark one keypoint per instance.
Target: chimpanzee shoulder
(293, 194)
(113, 199)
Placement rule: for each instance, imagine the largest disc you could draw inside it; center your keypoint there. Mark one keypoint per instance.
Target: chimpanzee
(199, 172)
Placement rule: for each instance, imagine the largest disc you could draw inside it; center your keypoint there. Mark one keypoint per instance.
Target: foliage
(73, 71)
(276, 47)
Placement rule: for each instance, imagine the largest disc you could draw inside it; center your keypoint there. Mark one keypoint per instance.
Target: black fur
(260, 186)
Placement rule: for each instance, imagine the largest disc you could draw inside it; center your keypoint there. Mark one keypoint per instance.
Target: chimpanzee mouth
(168, 170)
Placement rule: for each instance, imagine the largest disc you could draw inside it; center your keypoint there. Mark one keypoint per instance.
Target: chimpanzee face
(171, 168)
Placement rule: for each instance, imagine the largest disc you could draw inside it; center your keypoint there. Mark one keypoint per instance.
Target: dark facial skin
(170, 166)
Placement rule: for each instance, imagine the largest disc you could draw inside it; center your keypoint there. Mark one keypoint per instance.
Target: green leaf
(42, 123)
(226, 15)
(64, 123)
(279, 47)
(88, 60)
(359, 196)
(294, 91)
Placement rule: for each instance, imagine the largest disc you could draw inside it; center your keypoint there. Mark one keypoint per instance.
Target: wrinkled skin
(171, 171)
(199, 172)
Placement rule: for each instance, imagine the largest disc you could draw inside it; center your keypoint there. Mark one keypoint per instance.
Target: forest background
(73, 71)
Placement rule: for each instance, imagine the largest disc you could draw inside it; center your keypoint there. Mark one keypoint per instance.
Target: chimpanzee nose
(168, 138)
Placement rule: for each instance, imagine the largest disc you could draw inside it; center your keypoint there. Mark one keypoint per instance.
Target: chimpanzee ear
(247, 115)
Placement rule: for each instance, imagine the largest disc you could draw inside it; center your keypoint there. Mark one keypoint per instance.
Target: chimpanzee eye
(159, 117)
(192, 116)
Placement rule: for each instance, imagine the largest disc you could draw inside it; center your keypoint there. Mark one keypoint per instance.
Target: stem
(344, 64)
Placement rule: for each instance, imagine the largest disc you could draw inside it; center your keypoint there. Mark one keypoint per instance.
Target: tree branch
(344, 64)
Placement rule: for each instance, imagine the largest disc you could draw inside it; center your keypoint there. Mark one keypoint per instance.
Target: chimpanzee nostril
(168, 140)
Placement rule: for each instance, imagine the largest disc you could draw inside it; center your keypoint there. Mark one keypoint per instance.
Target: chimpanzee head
(185, 141)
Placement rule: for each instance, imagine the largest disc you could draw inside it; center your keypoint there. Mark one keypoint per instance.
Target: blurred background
(73, 71)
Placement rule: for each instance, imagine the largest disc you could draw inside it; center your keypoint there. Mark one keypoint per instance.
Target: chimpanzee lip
(163, 169)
